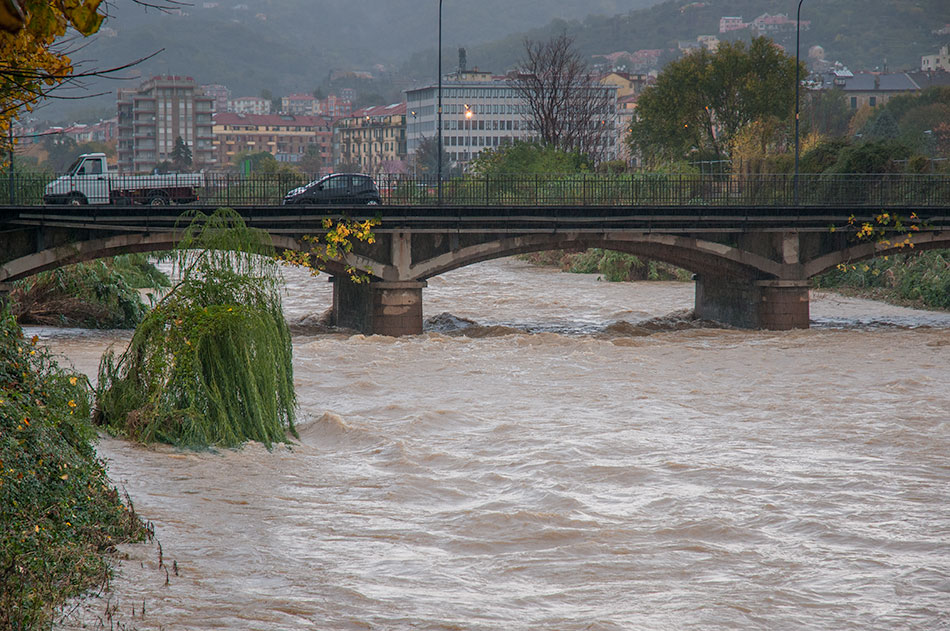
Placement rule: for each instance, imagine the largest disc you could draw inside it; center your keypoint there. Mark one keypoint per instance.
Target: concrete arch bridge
(752, 265)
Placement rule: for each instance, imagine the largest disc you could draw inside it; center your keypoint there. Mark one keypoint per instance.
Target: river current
(581, 457)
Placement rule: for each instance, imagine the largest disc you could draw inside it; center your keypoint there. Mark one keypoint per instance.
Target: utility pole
(12, 193)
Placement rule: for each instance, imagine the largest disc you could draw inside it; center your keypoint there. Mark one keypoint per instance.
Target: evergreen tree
(181, 155)
(884, 127)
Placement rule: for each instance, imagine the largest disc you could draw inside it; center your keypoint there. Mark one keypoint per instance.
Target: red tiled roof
(231, 118)
(393, 109)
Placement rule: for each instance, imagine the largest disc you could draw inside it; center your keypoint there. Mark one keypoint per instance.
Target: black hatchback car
(338, 188)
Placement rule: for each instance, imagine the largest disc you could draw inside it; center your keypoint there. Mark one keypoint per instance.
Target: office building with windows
(479, 110)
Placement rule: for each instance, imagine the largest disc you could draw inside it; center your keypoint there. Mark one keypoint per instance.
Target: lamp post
(439, 122)
(798, 30)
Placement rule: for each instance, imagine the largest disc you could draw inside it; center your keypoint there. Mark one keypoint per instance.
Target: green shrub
(100, 294)
(58, 512)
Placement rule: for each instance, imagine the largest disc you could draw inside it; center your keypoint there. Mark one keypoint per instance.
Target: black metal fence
(639, 189)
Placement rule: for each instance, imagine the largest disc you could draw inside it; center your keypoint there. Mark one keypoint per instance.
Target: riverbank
(913, 279)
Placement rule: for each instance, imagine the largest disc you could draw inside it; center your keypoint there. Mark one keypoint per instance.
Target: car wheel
(158, 199)
(372, 202)
(76, 199)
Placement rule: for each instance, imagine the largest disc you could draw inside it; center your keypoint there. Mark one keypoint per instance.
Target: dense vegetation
(58, 512)
(100, 294)
(210, 365)
(917, 278)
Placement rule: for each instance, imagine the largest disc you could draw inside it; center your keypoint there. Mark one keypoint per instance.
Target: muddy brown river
(562, 466)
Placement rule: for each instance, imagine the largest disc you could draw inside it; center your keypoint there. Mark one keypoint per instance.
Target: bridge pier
(777, 305)
(378, 307)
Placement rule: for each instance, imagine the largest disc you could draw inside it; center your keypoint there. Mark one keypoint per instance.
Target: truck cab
(86, 182)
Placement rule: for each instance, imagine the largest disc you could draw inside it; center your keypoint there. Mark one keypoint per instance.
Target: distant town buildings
(249, 105)
(374, 138)
(220, 94)
(154, 115)
(285, 136)
(309, 105)
(765, 24)
(298, 104)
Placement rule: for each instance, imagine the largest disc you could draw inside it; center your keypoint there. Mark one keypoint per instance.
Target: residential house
(627, 83)
(767, 24)
(730, 23)
(871, 89)
(940, 61)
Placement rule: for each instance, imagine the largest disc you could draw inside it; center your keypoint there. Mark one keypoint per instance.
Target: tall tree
(425, 161)
(701, 101)
(826, 112)
(181, 155)
(566, 106)
(311, 161)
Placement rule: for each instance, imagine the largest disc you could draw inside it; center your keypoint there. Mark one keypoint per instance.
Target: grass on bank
(59, 514)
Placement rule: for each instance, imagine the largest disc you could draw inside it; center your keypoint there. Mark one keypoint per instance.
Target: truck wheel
(158, 199)
(76, 199)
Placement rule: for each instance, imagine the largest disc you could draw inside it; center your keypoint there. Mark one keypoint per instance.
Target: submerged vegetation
(58, 512)
(100, 294)
(613, 266)
(210, 365)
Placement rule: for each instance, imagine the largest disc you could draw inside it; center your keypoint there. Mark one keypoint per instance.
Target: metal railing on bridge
(639, 189)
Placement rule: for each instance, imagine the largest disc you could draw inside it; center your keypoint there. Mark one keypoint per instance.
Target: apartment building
(285, 136)
(249, 105)
(151, 118)
(373, 138)
(299, 104)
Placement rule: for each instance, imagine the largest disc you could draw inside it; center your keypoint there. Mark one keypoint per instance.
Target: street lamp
(468, 117)
(798, 30)
(439, 123)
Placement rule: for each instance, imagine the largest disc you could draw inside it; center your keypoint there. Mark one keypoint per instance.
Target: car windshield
(72, 167)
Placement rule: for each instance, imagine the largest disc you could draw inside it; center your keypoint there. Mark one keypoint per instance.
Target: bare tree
(566, 106)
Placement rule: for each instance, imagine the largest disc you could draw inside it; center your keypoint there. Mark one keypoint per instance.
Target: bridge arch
(81, 251)
(692, 254)
(861, 251)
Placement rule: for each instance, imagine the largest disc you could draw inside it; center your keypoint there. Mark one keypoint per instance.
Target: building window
(872, 101)
(854, 102)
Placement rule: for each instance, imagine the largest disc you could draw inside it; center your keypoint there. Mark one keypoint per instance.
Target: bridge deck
(483, 219)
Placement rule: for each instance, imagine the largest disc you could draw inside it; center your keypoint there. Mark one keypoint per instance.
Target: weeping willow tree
(211, 364)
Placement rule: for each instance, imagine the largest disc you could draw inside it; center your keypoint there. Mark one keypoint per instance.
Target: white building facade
(479, 111)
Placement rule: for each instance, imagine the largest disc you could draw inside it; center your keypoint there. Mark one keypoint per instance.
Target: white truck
(89, 180)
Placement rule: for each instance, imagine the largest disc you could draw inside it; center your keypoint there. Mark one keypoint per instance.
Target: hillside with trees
(862, 35)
